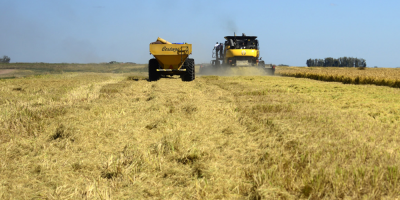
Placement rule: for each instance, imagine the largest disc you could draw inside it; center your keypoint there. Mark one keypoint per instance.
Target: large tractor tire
(154, 75)
(189, 74)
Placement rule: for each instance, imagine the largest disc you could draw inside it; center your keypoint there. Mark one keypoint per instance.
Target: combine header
(171, 59)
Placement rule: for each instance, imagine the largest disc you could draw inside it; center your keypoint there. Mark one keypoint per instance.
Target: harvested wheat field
(360, 75)
(118, 136)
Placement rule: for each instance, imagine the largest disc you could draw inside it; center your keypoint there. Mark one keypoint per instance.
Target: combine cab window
(246, 44)
(241, 42)
(252, 44)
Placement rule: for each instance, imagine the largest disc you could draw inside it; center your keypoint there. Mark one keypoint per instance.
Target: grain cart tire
(153, 66)
(189, 74)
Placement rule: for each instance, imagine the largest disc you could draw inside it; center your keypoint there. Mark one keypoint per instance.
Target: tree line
(337, 62)
(5, 59)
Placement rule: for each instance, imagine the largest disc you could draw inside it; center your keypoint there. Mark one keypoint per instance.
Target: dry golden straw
(373, 76)
(86, 135)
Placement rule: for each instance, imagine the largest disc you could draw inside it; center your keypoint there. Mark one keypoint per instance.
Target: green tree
(5, 59)
(309, 63)
(356, 62)
(320, 62)
(351, 62)
(336, 62)
(328, 62)
(363, 63)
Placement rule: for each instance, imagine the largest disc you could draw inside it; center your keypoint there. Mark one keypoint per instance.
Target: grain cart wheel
(153, 66)
(189, 74)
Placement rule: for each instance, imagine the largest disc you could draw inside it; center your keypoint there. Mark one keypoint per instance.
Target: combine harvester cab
(171, 59)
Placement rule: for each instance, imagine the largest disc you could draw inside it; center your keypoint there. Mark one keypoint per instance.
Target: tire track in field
(87, 92)
(214, 128)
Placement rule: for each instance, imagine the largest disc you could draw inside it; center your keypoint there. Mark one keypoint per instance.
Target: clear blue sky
(290, 32)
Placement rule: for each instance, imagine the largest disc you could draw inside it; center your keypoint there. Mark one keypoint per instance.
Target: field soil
(119, 136)
(6, 71)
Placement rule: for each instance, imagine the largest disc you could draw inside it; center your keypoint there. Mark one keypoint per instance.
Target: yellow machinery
(171, 59)
(240, 51)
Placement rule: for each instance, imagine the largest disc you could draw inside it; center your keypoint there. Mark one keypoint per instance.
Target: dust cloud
(232, 71)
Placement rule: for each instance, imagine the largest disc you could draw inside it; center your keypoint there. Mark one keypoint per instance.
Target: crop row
(374, 76)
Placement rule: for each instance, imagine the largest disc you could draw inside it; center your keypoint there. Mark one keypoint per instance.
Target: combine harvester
(171, 59)
(238, 51)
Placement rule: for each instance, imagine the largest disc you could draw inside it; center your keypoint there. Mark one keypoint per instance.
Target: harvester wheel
(189, 74)
(153, 66)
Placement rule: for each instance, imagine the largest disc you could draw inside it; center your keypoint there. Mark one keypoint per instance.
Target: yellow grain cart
(171, 59)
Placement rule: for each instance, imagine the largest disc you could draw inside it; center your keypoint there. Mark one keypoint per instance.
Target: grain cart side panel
(171, 56)
(171, 59)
